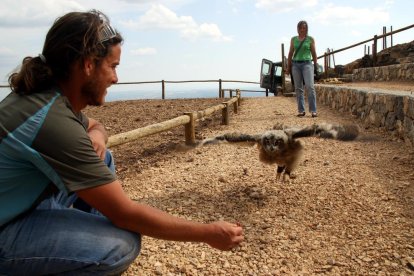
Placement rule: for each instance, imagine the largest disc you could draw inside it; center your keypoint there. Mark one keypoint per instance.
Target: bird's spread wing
(323, 130)
(232, 138)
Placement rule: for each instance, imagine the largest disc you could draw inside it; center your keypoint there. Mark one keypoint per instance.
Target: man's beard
(91, 92)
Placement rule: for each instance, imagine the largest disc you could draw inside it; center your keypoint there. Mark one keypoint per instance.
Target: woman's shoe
(301, 114)
(314, 114)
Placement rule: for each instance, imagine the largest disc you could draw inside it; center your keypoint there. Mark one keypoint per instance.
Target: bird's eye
(277, 142)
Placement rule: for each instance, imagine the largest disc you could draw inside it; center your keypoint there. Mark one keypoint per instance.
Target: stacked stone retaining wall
(393, 111)
(397, 72)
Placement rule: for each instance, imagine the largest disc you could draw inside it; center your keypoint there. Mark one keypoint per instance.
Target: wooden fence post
(225, 114)
(163, 89)
(283, 70)
(374, 51)
(220, 90)
(231, 93)
(235, 107)
(190, 129)
(238, 97)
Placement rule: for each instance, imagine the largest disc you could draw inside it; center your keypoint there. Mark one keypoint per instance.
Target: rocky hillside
(398, 54)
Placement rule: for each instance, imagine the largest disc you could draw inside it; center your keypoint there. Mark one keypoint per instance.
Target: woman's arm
(313, 52)
(289, 62)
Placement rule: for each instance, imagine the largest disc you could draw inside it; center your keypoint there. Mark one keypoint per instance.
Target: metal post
(374, 51)
(283, 70)
(163, 90)
(220, 91)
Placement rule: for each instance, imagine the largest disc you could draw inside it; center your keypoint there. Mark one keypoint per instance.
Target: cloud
(281, 6)
(144, 51)
(34, 13)
(5, 52)
(160, 17)
(350, 16)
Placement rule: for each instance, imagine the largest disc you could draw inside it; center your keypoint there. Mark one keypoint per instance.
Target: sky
(178, 40)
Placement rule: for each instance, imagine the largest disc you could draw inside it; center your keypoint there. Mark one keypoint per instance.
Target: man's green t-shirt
(42, 141)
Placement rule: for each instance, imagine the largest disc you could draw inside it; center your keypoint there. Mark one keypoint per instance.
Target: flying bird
(280, 145)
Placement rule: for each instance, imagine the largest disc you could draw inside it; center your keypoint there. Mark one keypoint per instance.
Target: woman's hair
(302, 22)
(72, 38)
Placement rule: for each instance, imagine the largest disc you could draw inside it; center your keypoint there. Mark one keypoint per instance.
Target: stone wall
(397, 72)
(393, 112)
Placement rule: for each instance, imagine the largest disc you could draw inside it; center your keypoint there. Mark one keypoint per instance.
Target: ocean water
(177, 94)
(135, 92)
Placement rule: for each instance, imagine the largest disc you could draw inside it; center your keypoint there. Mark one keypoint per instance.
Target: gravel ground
(349, 211)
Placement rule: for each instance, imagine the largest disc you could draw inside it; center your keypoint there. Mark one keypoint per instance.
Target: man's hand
(227, 235)
(98, 136)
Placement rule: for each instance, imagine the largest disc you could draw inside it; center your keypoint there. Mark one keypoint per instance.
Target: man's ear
(88, 66)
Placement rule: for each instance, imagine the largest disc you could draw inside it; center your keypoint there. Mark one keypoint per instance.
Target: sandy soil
(349, 211)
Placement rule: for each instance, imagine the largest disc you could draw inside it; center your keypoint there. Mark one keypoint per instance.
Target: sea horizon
(186, 93)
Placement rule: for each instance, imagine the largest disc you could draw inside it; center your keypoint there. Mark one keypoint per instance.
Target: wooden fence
(188, 120)
(219, 81)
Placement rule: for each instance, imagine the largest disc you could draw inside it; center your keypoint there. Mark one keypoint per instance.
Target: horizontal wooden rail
(164, 82)
(132, 135)
(181, 81)
(368, 40)
(187, 120)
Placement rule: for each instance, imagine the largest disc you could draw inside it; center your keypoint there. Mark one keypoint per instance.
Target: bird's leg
(279, 172)
(288, 175)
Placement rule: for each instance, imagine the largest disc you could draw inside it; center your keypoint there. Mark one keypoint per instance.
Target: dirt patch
(349, 211)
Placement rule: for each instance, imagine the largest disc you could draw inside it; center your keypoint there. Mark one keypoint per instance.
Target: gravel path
(349, 211)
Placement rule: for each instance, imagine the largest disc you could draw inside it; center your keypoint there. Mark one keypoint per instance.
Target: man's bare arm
(125, 213)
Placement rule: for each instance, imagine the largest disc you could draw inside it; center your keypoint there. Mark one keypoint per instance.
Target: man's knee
(125, 249)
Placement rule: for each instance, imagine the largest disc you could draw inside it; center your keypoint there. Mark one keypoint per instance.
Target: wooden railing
(188, 120)
(164, 82)
(219, 81)
(374, 46)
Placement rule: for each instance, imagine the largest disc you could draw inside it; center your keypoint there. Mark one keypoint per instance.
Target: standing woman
(301, 53)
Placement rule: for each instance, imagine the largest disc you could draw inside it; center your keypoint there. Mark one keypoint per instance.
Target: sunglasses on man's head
(106, 33)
